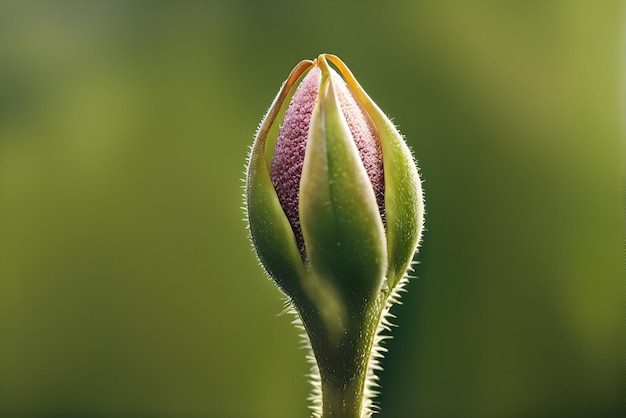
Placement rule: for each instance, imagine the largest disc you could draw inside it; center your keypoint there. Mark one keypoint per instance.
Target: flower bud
(333, 192)
(334, 205)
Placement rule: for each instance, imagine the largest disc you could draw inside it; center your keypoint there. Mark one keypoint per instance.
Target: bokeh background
(128, 287)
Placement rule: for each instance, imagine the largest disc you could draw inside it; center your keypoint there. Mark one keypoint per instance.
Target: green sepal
(271, 232)
(404, 206)
(341, 224)
(270, 229)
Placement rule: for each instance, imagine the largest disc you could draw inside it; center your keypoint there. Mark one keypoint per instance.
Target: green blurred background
(128, 287)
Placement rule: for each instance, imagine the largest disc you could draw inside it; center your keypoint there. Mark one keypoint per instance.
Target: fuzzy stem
(343, 361)
(342, 402)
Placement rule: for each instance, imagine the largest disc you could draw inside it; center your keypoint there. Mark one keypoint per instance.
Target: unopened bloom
(335, 211)
(332, 186)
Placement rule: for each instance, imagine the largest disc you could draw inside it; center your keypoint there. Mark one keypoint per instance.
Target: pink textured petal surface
(290, 147)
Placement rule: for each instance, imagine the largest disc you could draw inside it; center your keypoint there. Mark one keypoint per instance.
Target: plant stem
(343, 357)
